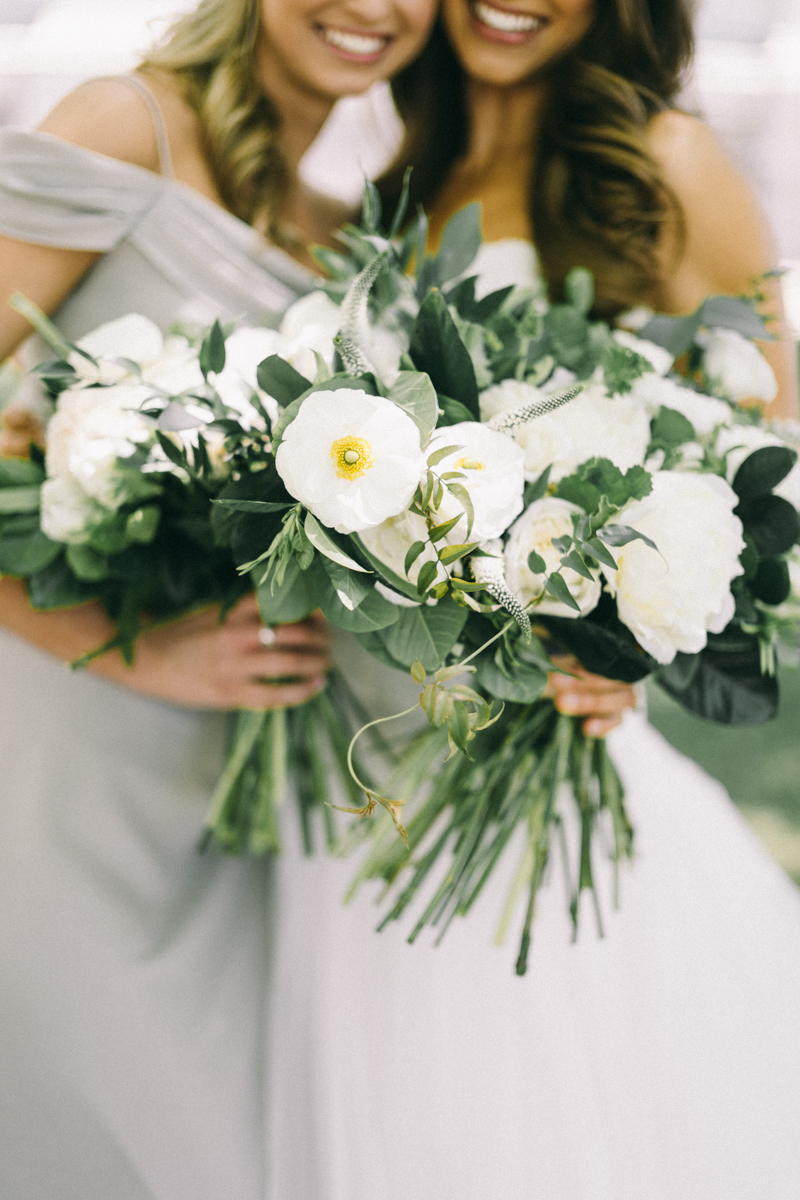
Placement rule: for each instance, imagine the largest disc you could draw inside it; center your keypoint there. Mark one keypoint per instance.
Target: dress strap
(159, 124)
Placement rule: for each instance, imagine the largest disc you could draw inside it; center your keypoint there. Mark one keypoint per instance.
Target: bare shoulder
(690, 156)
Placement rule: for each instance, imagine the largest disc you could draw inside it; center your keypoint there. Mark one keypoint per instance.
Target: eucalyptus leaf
(460, 242)
(351, 588)
(733, 312)
(675, 334)
(254, 506)
(212, 350)
(372, 613)
(557, 586)
(437, 349)
(296, 598)
(579, 289)
(279, 379)
(426, 634)
(19, 499)
(20, 472)
(322, 541)
(27, 555)
(175, 419)
(416, 395)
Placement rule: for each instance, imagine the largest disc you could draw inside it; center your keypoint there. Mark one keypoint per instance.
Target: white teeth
(506, 22)
(354, 43)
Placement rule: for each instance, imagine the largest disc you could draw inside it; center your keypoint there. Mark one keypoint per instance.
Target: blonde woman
(134, 972)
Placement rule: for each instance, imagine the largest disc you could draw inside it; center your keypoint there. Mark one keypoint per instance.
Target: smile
(356, 45)
(503, 22)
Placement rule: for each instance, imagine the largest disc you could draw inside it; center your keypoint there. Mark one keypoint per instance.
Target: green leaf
(212, 350)
(296, 598)
(19, 499)
(28, 554)
(451, 554)
(439, 531)
(579, 289)
(397, 582)
(371, 207)
(416, 395)
(437, 349)
(141, 526)
(772, 523)
(732, 312)
(537, 489)
(451, 412)
(600, 477)
(675, 334)
(622, 367)
(402, 206)
(556, 585)
(20, 472)
(259, 506)
(426, 634)
(536, 563)
(596, 548)
(772, 583)
(373, 613)
(620, 535)
(761, 471)
(427, 574)
(671, 428)
(55, 586)
(88, 564)
(525, 685)
(723, 683)
(465, 500)
(279, 379)
(460, 241)
(322, 541)
(575, 562)
(413, 553)
(350, 588)
(436, 457)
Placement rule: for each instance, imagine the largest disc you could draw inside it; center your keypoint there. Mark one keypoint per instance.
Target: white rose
(593, 425)
(245, 349)
(494, 476)
(93, 428)
(352, 459)
(542, 521)
(705, 413)
(68, 514)
(740, 441)
(660, 359)
(736, 367)
(672, 598)
(133, 337)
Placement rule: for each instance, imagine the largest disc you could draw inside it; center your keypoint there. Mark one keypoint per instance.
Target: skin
(195, 661)
(725, 248)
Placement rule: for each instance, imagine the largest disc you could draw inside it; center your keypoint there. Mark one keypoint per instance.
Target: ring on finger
(267, 636)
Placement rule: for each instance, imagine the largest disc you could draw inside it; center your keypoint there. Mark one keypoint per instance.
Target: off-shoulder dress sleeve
(54, 193)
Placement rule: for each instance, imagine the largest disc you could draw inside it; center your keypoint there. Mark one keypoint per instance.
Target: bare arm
(727, 246)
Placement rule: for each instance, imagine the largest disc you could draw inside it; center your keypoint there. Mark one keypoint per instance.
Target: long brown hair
(598, 198)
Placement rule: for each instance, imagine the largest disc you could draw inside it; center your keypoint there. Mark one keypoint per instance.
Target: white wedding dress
(182, 1028)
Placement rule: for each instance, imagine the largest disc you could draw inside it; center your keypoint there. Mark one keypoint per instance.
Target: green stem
(43, 325)
(249, 725)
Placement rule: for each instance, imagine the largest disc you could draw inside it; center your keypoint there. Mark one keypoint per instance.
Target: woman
(661, 1061)
(135, 972)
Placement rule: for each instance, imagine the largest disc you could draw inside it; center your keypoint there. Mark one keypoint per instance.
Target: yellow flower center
(470, 464)
(352, 456)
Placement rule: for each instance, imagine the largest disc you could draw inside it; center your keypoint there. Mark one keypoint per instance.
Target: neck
(302, 112)
(503, 122)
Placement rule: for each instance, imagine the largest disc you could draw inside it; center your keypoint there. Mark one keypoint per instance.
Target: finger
(278, 695)
(308, 636)
(274, 664)
(585, 683)
(596, 727)
(595, 703)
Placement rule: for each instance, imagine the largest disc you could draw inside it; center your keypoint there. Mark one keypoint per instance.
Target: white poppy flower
(494, 476)
(68, 514)
(671, 598)
(736, 367)
(740, 441)
(93, 428)
(705, 413)
(352, 459)
(542, 521)
(593, 425)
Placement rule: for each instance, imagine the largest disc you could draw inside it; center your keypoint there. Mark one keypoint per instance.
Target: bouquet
(466, 482)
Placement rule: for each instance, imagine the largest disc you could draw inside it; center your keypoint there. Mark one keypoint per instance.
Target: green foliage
(724, 682)
(425, 634)
(763, 470)
(599, 478)
(437, 349)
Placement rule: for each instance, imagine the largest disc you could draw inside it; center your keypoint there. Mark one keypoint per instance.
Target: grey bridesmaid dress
(133, 971)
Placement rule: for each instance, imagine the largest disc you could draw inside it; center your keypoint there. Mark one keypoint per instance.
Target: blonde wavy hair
(211, 52)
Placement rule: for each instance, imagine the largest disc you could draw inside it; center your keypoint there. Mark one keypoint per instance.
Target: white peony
(131, 337)
(672, 598)
(542, 521)
(245, 349)
(660, 359)
(352, 459)
(736, 367)
(593, 425)
(740, 441)
(705, 413)
(93, 428)
(494, 476)
(68, 514)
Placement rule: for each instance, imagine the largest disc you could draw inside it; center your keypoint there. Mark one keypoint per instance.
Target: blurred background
(745, 83)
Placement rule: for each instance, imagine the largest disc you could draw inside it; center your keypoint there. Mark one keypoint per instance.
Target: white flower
(740, 441)
(671, 598)
(68, 514)
(352, 459)
(494, 476)
(90, 431)
(542, 521)
(591, 426)
(312, 323)
(691, 457)
(704, 412)
(133, 337)
(511, 261)
(176, 370)
(660, 359)
(245, 349)
(736, 367)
